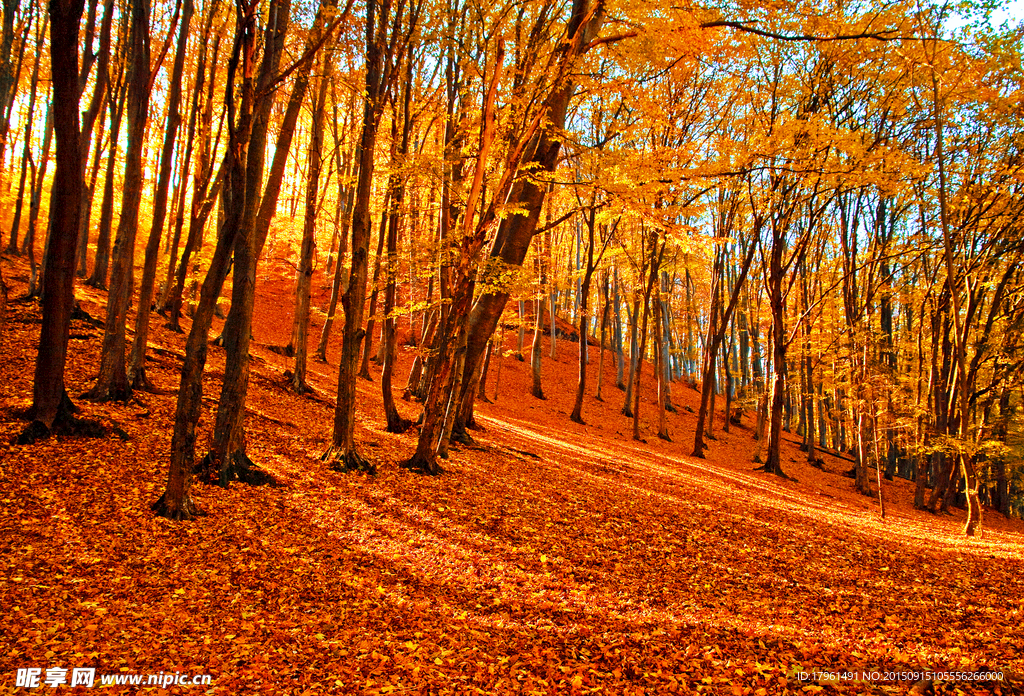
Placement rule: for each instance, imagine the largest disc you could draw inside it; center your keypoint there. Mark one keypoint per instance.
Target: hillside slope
(551, 558)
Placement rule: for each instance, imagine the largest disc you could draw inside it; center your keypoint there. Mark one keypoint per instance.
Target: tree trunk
(364, 366)
(395, 422)
(604, 335)
(639, 370)
(101, 262)
(202, 200)
(227, 457)
(515, 232)
(413, 385)
(50, 405)
(112, 382)
(619, 375)
(584, 316)
(522, 332)
(89, 116)
(304, 283)
(37, 179)
(12, 247)
(960, 329)
(535, 350)
(652, 281)
(176, 502)
(716, 333)
(633, 319)
(660, 368)
(344, 215)
(138, 354)
(482, 391)
(342, 453)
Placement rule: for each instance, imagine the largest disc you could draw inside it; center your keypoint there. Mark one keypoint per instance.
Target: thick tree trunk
(176, 502)
(342, 454)
(515, 232)
(454, 388)
(773, 457)
(227, 457)
(50, 405)
(112, 382)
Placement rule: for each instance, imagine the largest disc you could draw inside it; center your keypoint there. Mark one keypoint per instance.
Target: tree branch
(746, 26)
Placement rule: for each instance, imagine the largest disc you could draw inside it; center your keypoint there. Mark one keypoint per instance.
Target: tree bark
(176, 502)
(101, 261)
(304, 283)
(112, 382)
(515, 232)
(50, 405)
(395, 422)
(535, 350)
(342, 454)
(227, 457)
(12, 247)
(138, 354)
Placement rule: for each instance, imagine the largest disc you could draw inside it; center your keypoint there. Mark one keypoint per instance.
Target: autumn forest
(576, 346)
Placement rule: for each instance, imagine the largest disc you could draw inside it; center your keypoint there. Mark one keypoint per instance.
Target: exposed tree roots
(140, 381)
(397, 424)
(240, 468)
(79, 314)
(422, 465)
(65, 425)
(186, 511)
(774, 470)
(340, 459)
(460, 435)
(122, 394)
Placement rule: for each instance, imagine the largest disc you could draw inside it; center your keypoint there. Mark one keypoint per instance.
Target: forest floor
(552, 558)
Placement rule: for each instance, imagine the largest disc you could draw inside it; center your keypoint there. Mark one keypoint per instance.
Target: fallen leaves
(591, 567)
